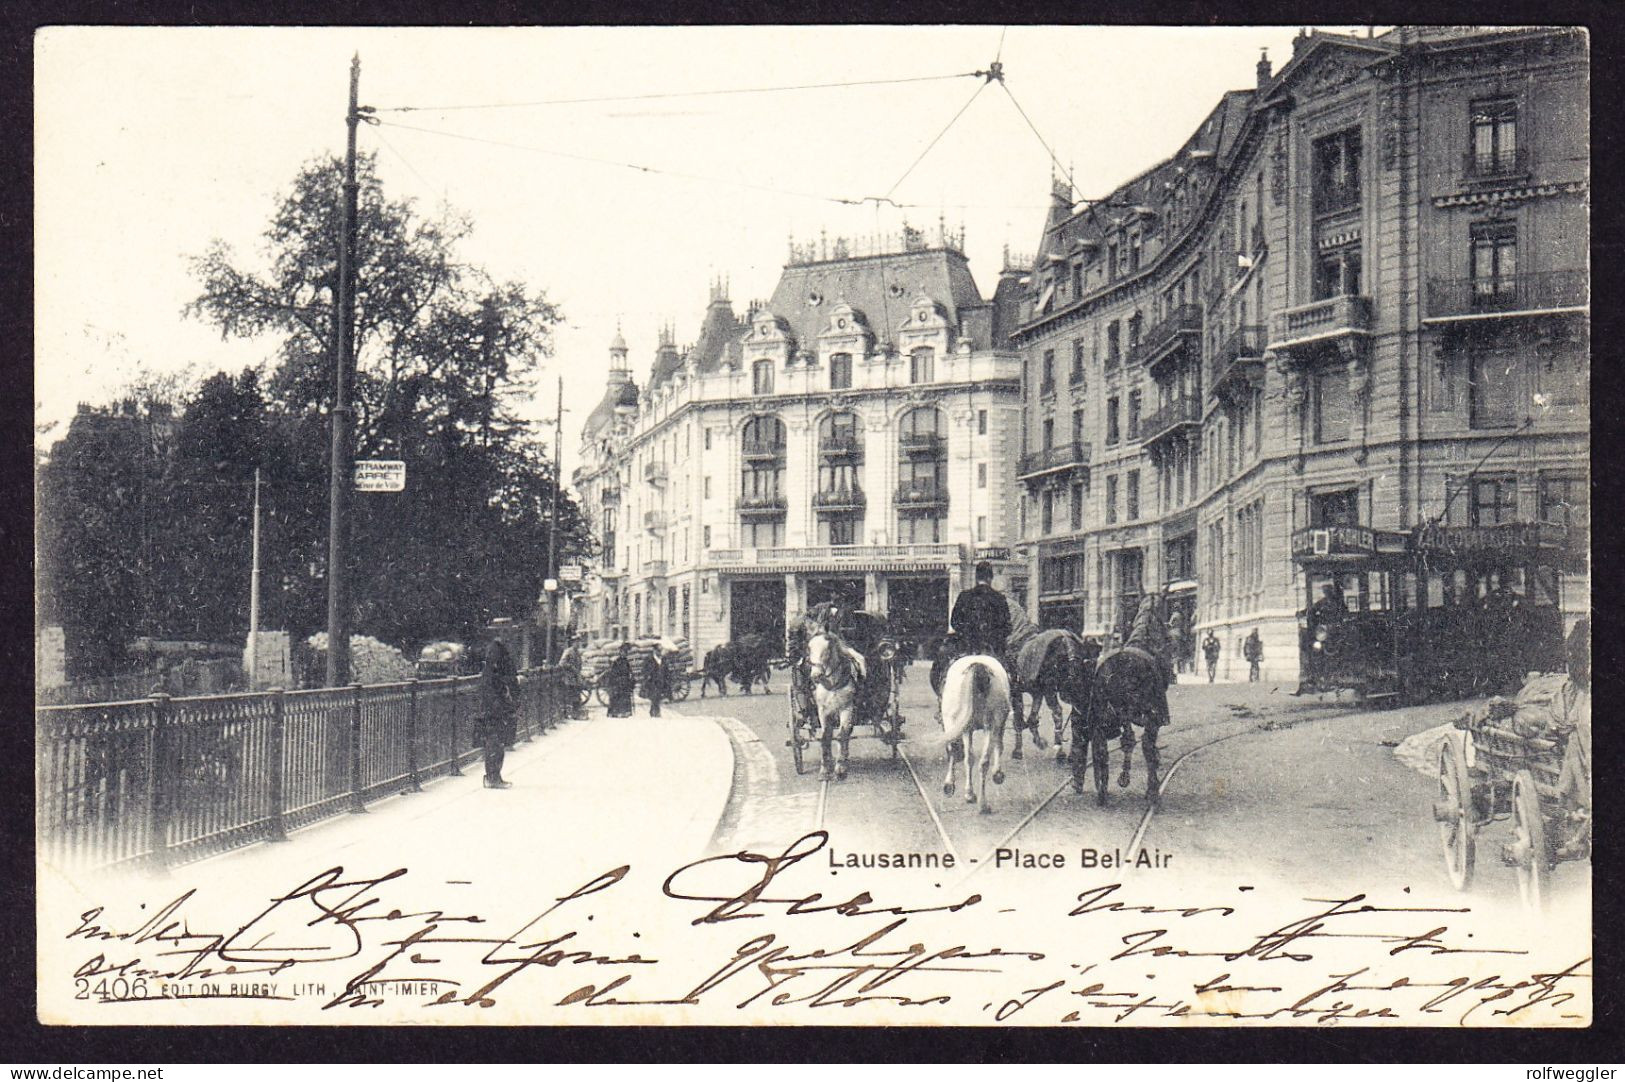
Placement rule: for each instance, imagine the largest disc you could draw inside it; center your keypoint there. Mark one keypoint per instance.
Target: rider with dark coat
(981, 616)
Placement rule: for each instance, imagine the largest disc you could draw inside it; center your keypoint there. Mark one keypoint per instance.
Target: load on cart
(840, 676)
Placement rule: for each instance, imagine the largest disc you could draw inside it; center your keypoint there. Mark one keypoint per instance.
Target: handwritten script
(751, 935)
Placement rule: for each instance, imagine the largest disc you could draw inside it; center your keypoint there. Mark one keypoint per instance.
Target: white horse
(975, 696)
(835, 669)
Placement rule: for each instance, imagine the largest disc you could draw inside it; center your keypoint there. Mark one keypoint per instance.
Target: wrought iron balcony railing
(920, 443)
(1241, 354)
(655, 521)
(654, 568)
(1171, 418)
(1182, 325)
(1064, 456)
(848, 498)
(1508, 294)
(840, 445)
(762, 505)
(762, 449)
(1496, 164)
(921, 494)
(654, 473)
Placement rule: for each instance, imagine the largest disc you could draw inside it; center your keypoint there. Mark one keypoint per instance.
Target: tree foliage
(445, 358)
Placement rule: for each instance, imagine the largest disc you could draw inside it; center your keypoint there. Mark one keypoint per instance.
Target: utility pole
(343, 450)
(254, 592)
(553, 526)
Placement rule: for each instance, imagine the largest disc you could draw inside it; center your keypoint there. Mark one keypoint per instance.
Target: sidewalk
(628, 787)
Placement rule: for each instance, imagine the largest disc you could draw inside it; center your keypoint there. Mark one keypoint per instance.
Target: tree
(444, 354)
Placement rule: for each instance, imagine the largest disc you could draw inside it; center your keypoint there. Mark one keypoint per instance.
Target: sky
(153, 142)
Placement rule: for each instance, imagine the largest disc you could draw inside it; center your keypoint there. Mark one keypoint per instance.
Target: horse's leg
(1080, 740)
(825, 732)
(1018, 705)
(995, 736)
(1053, 698)
(1125, 740)
(846, 737)
(1153, 780)
(1100, 751)
(988, 754)
(948, 779)
(970, 754)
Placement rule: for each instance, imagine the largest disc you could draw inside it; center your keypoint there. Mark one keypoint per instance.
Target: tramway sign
(380, 475)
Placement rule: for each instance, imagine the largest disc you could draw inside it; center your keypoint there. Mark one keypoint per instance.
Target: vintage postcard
(1052, 526)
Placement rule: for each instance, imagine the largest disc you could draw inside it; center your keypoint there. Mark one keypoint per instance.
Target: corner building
(853, 438)
(1356, 296)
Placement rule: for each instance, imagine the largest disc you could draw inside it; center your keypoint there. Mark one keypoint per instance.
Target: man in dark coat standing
(1253, 651)
(499, 704)
(620, 682)
(656, 684)
(981, 616)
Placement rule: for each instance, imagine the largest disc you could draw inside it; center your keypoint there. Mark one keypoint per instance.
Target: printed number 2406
(117, 988)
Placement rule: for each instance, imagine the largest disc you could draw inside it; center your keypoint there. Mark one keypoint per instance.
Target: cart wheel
(797, 744)
(583, 697)
(680, 689)
(1531, 859)
(601, 693)
(1452, 810)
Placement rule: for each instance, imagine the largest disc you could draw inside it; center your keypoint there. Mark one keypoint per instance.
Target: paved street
(1262, 784)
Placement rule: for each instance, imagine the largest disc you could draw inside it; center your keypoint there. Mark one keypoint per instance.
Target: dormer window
(761, 377)
(922, 365)
(840, 371)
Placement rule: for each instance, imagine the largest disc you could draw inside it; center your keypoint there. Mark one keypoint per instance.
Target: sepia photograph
(1044, 526)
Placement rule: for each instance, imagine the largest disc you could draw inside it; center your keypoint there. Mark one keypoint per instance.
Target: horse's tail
(968, 696)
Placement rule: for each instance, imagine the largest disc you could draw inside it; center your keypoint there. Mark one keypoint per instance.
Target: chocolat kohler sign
(1039, 596)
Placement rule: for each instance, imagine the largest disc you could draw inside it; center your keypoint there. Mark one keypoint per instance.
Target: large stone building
(1356, 296)
(852, 438)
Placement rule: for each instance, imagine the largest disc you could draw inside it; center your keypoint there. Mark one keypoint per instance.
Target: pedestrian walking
(499, 704)
(1210, 651)
(570, 676)
(1177, 627)
(656, 680)
(1253, 651)
(620, 683)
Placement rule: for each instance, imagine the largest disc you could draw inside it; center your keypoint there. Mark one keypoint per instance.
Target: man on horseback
(981, 616)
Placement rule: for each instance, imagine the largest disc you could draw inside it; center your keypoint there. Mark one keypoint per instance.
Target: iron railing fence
(162, 781)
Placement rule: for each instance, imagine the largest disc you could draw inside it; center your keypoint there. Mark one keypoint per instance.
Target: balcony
(921, 444)
(1183, 325)
(932, 555)
(839, 499)
(610, 495)
(1176, 416)
(655, 521)
(1238, 359)
(1510, 295)
(921, 496)
(1063, 457)
(654, 473)
(762, 451)
(760, 506)
(841, 445)
(1320, 321)
(1334, 199)
(655, 569)
(1495, 165)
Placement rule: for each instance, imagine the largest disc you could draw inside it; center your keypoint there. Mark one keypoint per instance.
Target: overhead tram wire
(605, 99)
(932, 143)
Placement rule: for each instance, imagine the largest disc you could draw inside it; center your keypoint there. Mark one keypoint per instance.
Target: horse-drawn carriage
(1495, 766)
(845, 679)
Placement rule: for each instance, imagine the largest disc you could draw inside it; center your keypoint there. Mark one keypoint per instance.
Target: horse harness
(842, 669)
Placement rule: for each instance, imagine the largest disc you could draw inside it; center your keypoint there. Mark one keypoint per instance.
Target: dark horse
(1053, 666)
(1130, 687)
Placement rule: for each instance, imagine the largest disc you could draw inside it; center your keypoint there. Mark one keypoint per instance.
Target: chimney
(1263, 68)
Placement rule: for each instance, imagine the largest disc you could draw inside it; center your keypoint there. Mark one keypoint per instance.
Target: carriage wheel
(797, 744)
(601, 693)
(680, 688)
(583, 696)
(1452, 810)
(1531, 858)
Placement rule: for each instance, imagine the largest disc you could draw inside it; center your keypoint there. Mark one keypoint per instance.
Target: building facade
(853, 438)
(1356, 296)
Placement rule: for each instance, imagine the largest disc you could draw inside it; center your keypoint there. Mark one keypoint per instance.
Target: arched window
(761, 377)
(922, 365)
(761, 491)
(840, 449)
(922, 469)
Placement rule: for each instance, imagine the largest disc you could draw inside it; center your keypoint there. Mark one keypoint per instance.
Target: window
(1337, 171)
(1132, 510)
(1565, 501)
(838, 530)
(1111, 420)
(1136, 327)
(1443, 368)
(685, 611)
(1114, 343)
(1049, 433)
(1134, 415)
(981, 475)
(1047, 510)
(1134, 253)
(922, 365)
(671, 609)
(1111, 258)
(981, 422)
(981, 527)
(1494, 500)
(708, 439)
(706, 536)
(1046, 384)
(1077, 425)
(1494, 265)
(1332, 405)
(1111, 499)
(1077, 505)
(919, 530)
(1490, 386)
(768, 534)
(1494, 149)
(840, 371)
(1077, 279)
(761, 377)
(1077, 362)
(1339, 508)
(708, 487)
(1337, 273)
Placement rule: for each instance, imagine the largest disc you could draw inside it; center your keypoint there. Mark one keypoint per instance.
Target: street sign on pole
(570, 572)
(380, 475)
